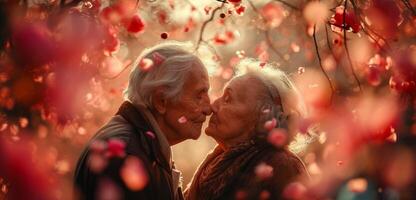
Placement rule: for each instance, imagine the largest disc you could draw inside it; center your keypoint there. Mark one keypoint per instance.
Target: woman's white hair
(170, 73)
(281, 99)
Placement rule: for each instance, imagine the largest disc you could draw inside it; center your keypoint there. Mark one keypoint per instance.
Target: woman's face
(234, 113)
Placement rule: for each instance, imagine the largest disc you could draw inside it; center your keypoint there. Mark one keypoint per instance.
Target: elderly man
(166, 103)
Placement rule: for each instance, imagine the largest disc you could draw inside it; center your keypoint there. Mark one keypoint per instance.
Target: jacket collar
(136, 115)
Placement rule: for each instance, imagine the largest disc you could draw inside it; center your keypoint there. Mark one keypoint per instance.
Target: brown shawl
(221, 170)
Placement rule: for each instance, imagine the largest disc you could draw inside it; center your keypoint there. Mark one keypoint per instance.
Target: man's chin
(195, 136)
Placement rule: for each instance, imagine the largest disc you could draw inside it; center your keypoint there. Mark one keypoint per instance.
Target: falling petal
(277, 137)
(263, 171)
(98, 146)
(315, 12)
(82, 130)
(108, 190)
(264, 195)
(357, 185)
(62, 167)
(116, 148)
(294, 190)
(134, 174)
(150, 134)
(182, 120)
(146, 64)
(295, 47)
(97, 162)
(271, 124)
(273, 13)
(23, 122)
(301, 70)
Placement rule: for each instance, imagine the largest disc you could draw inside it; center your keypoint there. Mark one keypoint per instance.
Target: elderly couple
(168, 104)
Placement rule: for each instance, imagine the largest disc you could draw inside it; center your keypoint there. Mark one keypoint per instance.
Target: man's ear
(159, 100)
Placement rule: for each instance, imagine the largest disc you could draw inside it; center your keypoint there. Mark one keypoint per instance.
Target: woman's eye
(226, 99)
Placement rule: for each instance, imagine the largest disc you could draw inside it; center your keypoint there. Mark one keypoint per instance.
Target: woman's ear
(159, 100)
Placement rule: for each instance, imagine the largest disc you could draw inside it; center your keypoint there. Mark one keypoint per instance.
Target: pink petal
(182, 120)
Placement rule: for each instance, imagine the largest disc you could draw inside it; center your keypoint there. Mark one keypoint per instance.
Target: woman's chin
(209, 130)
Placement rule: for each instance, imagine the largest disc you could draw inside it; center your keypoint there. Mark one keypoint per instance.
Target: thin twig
(267, 35)
(376, 40)
(346, 46)
(327, 39)
(409, 6)
(270, 44)
(70, 4)
(320, 63)
(367, 28)
(124, 69)
(201, 32)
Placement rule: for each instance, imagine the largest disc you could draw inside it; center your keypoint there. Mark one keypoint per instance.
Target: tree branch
(328, 42)
(367, 28)
(201, 32)
(409, 6)
(346, 46)
(267, 35)
(320, 62)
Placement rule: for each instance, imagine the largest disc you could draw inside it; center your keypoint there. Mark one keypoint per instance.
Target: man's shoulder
(118, 128)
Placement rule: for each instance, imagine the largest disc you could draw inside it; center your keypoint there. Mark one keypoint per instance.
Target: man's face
(186, 116)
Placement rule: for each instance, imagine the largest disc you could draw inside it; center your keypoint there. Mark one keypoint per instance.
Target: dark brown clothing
(130, 126)
(224, 174)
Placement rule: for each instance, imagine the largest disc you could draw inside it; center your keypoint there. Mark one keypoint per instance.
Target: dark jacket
(130, 126)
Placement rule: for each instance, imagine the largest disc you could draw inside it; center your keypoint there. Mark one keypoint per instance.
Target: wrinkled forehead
(246, 87)
(197, 77)
(198, 71)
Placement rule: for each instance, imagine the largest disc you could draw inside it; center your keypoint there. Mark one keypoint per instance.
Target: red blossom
(272, 12)
(351, 21)
(109, 14)
(235, 2)
(134, 24)
(162, 16)
(224, 38)
(115, 148)
(240, 10)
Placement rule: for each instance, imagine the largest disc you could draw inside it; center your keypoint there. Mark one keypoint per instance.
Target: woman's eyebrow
(228, 90)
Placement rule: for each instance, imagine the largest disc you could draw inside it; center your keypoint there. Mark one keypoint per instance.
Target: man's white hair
(281, 98)
(171, 73)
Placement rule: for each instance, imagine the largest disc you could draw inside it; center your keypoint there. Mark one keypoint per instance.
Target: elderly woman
(251, 123)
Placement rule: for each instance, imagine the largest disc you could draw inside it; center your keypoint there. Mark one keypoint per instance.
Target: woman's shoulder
(281, 160)
(281, 156)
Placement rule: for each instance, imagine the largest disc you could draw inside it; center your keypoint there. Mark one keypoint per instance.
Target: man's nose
(206, 107)
(214, 106)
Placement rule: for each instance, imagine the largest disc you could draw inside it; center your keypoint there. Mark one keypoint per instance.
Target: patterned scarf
(221, 168)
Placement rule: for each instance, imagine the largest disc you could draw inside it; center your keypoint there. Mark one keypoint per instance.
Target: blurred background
(64, 66)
